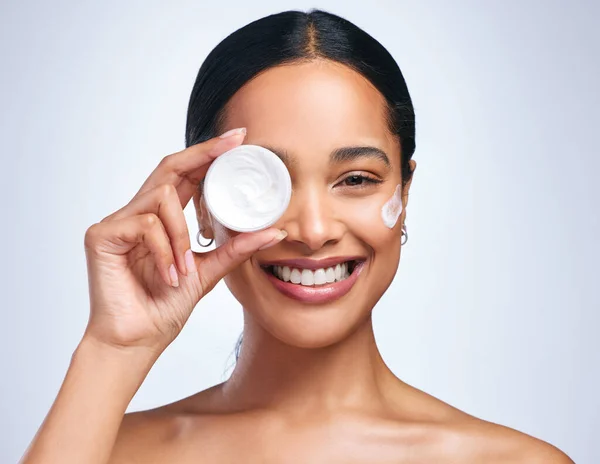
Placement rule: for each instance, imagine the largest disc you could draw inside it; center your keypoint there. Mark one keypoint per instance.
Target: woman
(310, 385)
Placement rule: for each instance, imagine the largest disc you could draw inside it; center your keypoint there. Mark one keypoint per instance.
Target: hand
(137, 298)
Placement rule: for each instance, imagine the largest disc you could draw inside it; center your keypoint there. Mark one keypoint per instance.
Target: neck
(348, 375)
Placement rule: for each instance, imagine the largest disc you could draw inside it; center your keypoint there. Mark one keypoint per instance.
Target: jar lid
(247, 188)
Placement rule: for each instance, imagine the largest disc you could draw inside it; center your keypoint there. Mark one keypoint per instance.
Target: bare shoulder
(456, 435)
(489, 442)
(154, 436)
(144, 436)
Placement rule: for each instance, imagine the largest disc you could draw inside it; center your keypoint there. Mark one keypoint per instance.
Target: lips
(316, 294)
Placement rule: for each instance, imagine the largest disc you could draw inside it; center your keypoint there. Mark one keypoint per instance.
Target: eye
(358, 180)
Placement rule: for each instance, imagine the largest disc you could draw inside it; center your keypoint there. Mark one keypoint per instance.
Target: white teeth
(309, 278)
(330, 275)
(295, 276)
(320, 278)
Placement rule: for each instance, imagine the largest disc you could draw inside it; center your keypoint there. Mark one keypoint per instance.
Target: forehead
(314, 106)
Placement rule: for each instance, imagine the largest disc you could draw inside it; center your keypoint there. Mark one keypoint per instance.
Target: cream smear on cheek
(392, 209)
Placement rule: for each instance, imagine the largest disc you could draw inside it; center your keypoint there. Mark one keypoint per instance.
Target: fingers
(120, 236)
(185, 169)
(171, 186)
(162, 201)
(214, 265)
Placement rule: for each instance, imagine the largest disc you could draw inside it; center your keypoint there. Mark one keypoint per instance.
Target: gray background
(498, 315)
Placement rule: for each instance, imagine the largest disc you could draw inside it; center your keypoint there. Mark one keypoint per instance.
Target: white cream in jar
(247, 188)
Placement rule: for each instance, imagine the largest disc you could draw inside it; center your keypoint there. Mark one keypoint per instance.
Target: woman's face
(307, 113)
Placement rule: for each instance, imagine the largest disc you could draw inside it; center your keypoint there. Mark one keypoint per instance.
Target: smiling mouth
(313, 278)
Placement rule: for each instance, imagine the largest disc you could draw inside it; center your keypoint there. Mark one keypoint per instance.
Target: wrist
(136, 359)
(90, 337)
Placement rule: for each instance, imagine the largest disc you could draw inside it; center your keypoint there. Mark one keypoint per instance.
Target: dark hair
(285, 38)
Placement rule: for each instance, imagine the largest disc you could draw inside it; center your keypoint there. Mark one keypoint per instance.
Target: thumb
(214, 265)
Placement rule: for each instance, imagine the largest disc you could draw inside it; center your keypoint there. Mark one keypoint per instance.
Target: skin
(310, 384)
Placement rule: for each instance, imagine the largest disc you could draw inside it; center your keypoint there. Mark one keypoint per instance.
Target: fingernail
(278, 238)
(173, 275)
(190, 263)
(229, 133)
(225, 142)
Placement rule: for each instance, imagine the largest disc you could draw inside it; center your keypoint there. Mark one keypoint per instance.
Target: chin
(312, 331)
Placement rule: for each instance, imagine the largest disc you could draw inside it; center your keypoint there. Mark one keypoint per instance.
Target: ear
(203, 216)
(412, 166)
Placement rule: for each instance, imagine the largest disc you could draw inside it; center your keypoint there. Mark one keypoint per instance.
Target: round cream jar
(247, 188)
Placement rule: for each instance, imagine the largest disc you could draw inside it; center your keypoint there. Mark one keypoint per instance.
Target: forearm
(82, 424)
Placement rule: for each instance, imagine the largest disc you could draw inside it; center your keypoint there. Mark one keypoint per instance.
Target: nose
(310, 220)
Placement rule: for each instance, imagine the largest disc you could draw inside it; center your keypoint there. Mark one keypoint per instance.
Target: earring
(204, 245)
(404, 238)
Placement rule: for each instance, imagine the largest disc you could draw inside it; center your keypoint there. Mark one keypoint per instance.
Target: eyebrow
(344, 154)
(339, 155)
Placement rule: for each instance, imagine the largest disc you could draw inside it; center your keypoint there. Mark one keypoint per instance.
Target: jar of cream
(247, 188)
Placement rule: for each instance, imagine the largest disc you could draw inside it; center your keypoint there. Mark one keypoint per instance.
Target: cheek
(366, 224)
(392, 209)
(365, 218)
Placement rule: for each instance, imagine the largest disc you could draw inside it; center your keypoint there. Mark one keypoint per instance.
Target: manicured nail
(278, 238)
(225, 143)
(173, 274)
(190, 263)
(229, 133)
